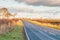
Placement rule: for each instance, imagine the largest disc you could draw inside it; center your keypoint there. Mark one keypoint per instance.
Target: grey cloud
(19, 0)
(41, 2)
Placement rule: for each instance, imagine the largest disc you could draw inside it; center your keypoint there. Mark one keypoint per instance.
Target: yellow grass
(45, 24)
(19, 23)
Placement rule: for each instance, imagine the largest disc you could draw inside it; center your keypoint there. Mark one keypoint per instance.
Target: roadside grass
(45, 24)
(17, 34)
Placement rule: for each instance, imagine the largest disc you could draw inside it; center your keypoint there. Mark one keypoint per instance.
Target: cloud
(42, 2)
(19, 0)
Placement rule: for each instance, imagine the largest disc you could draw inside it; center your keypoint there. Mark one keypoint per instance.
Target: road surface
(35, 32)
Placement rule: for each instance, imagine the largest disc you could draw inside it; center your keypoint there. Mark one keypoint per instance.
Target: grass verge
(16, 34)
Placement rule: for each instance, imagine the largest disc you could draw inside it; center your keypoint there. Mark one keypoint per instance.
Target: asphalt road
(35, 32)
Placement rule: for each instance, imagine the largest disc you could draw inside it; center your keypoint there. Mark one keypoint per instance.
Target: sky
(33, 8)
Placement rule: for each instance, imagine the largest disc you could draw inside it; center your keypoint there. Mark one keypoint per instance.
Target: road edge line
(27, 37)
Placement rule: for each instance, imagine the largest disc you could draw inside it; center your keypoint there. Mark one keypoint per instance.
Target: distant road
(36, 32)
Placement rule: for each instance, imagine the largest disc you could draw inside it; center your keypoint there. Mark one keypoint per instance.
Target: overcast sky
(33, 8)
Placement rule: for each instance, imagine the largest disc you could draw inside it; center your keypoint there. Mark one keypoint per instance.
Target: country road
(35, 32)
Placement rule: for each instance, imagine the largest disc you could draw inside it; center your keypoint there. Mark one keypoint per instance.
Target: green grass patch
(16, 34)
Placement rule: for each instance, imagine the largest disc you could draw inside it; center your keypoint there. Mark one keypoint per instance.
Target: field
(50, 24)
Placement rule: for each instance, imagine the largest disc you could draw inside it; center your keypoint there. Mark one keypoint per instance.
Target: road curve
(36, 32)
